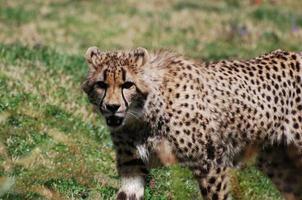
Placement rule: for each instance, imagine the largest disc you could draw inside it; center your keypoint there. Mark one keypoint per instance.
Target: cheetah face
(114, 85)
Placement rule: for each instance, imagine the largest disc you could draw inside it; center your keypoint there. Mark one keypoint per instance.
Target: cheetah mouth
(114, 121)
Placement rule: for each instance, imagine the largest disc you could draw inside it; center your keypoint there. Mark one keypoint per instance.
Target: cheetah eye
(102, 85)
(127, 85)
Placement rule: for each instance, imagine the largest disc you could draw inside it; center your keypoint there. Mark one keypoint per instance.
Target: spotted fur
(202, 115)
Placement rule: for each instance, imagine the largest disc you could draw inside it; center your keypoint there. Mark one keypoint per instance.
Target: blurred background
(52, 145)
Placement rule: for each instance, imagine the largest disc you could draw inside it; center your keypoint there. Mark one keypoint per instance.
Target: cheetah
(162, 108)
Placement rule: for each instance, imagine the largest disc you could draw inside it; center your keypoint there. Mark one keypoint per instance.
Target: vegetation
(52, 144)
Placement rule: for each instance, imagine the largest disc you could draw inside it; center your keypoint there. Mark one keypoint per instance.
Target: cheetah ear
(94, 57)
(141, 56)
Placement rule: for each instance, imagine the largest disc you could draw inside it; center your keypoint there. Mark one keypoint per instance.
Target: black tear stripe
(103, 97)
(126, 103)
(123, 74)
(105, 74)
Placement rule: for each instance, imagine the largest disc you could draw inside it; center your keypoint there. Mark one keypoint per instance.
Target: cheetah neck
(158, 75)
(158, 71)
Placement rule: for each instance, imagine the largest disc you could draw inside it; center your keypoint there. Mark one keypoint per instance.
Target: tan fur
(164, 152)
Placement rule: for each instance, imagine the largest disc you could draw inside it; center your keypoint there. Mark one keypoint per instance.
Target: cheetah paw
(131, 196)
(132, 188)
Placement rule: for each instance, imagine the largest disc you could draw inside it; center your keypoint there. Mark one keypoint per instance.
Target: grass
(52, 145)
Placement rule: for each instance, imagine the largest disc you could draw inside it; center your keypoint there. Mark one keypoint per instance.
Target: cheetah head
(114, 84)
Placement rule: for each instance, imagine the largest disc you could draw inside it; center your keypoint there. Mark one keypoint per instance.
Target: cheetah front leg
(133, 172)
(213, 182)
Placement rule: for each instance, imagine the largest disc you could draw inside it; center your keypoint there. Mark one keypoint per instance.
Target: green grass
(52, 145)
(16, 15)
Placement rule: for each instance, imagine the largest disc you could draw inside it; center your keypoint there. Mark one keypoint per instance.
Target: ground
(52, 145)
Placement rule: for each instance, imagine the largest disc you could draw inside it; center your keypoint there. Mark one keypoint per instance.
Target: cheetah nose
(112, 107)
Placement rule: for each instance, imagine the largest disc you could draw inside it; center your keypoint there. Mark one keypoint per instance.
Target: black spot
(121, 196)
(275, 68)
(282, 65)
(298, 67)
(212, 180)
(276, 99)
(204, 192)
(297, 136)
(268, 98)
(210, 151)
(215, 196)
(218, 187)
